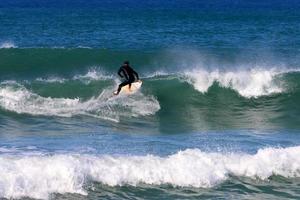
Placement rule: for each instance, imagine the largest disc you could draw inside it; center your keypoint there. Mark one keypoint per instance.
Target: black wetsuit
(127, 72)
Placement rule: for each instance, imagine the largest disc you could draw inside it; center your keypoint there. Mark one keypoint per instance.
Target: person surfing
(129, 74)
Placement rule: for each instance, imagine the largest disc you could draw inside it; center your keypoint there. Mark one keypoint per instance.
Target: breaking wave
(252, 83)
(16, 98)
(247, 83)
(37, 176)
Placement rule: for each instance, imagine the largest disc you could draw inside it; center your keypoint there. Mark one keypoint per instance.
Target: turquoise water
(217, 116)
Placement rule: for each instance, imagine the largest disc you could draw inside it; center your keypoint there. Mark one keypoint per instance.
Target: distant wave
(7, 45)
(61, 47)
(37, 176)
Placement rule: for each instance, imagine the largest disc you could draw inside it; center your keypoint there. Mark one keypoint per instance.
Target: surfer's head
(126, 62)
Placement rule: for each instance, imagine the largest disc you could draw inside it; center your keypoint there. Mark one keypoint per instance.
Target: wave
(52, 80)
(252, 83)
(247, 78)
(255, 82)
(186, 89)
(37, 176)
(94, 74)
(15, 97)
(210, 98)
(7, 45)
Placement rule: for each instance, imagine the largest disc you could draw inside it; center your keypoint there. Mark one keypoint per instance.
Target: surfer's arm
(120, 72)
(136, 74)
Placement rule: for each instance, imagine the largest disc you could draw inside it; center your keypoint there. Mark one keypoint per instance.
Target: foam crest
(39, 176)
(83, 47)
(158, 74)
(93, 75)
(7, 45)
(51, 80)
(16, 98)
(252, 83)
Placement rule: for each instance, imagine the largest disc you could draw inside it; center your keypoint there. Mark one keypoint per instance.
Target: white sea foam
(38, 176)
(248, 83)
(84, 47)
(7, 150)
(93, 75)
(158, 74)
(7, 45)
(16, 98)
(52, 80)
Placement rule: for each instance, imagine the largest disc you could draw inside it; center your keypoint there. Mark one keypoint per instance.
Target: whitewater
(63, 173)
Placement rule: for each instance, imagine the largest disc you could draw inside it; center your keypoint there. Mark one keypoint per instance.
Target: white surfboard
(135, 86)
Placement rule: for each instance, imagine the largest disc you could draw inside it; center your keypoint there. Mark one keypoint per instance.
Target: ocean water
(217, 116)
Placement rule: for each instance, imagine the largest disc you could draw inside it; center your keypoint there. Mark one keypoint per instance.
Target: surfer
(129, 74)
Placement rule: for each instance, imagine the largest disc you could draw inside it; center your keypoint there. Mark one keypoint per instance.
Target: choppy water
(217, 116)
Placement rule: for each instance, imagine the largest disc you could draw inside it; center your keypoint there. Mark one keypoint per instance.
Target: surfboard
(135, 86)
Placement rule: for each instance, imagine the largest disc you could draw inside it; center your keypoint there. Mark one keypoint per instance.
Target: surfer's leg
(129, 83)
(121, 85)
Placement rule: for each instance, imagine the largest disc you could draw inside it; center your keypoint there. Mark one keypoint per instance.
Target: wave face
(37, 176)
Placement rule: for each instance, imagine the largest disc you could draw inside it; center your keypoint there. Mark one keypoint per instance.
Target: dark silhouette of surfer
(129, 74)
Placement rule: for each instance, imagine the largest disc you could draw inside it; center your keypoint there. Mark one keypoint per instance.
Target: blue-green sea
(217, 116)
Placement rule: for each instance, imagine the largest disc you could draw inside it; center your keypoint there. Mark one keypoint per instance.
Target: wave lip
(38, 176)
(252, 83)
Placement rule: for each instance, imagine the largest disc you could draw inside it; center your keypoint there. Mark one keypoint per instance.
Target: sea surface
(217, 117)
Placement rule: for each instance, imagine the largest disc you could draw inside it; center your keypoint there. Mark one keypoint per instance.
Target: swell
(26, 63)
(30, 63)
